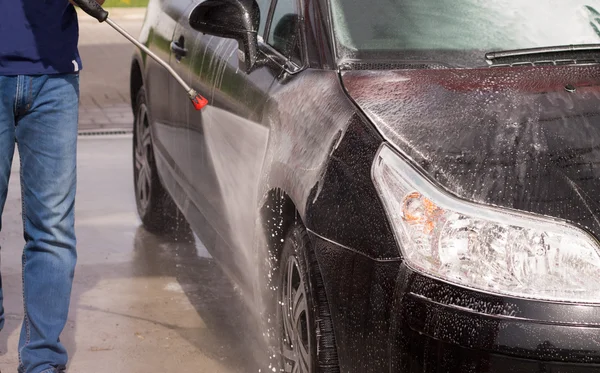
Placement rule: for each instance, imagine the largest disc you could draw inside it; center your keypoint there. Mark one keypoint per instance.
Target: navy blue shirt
(38, 37)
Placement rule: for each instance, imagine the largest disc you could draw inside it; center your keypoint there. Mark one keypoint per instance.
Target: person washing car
(39, 101)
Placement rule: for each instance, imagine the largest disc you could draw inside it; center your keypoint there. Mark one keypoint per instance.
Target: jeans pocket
(73, 79)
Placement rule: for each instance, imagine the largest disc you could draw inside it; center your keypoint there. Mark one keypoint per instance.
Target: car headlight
(483, 247)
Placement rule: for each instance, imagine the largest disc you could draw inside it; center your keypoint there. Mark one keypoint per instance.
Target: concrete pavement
(106, 57)
(141, 303)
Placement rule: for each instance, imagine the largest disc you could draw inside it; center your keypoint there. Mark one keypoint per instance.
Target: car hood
(526, 138)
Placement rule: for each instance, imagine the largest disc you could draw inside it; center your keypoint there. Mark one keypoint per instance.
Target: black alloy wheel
(142, 151)
(296, 342)
(303, 316)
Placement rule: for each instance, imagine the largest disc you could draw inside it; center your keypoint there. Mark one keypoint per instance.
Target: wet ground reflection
(212, 294)
(140, 303)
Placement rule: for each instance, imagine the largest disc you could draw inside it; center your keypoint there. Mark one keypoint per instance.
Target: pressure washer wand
(92, 8)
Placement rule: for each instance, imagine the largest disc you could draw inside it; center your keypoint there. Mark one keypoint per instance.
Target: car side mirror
(233, 19)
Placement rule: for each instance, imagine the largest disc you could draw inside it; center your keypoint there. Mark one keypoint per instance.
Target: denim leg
(7, 147)
(46, 132)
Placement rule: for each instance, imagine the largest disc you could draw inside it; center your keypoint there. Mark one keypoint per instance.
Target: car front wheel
(303, 317)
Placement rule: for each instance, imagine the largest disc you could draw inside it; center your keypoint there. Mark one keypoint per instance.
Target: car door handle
(178, 50)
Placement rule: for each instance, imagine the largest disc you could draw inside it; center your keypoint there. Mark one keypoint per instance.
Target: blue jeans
(40, 115)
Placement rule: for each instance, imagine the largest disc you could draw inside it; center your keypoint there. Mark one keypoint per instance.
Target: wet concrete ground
(140, 303)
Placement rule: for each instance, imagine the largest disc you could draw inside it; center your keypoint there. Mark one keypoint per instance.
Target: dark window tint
(284, 34)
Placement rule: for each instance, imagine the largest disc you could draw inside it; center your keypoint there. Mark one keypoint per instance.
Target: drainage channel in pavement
(107, 132)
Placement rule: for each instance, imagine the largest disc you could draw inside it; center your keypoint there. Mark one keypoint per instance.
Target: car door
(160, 85)
(230, 138)
(175, 130)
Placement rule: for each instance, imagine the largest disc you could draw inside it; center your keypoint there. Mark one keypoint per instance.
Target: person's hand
(98, 1)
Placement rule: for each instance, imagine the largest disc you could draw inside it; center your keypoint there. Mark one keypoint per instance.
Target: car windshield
(459, 32)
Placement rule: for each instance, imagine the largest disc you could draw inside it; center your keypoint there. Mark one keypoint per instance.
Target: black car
(396, 186)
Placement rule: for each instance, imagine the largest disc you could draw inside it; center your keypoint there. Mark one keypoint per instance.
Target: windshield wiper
(562, 50)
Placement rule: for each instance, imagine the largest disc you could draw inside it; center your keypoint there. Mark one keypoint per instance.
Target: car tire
(155, 207)
(303, 316)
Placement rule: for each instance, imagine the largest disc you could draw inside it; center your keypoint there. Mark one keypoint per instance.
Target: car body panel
(163, 18)
(520, 140)
(232, 143)
(228, 144)
(176, 127)
(438, 326)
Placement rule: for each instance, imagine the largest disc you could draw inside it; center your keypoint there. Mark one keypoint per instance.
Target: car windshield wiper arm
(491, 56)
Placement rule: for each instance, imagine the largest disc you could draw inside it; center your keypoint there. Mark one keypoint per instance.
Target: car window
(284, 33)
(263, 5)
(464, 28)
